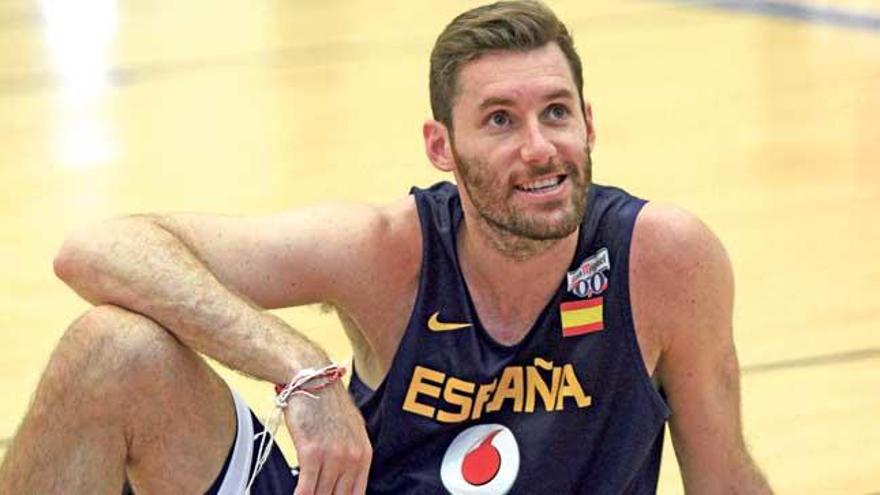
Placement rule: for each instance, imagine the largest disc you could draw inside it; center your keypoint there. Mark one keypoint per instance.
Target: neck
(508, 245)
(499, 264)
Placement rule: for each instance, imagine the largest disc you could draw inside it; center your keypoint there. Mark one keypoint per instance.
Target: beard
(493, 199)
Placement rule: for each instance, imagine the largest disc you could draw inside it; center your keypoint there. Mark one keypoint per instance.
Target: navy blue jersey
(569, 409)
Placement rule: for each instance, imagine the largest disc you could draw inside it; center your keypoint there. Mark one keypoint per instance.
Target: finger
(360, 483)
(308, 477)
(345, 482)
(331, 469)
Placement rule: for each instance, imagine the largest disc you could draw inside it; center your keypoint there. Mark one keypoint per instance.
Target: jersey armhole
(655, 392)
(356, 384)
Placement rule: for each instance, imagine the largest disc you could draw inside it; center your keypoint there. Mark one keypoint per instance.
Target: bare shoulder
(668, 239)
(400, 242)
(680, 276)
(387, 256)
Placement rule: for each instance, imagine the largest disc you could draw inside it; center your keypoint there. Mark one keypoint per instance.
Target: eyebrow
(560, 94)
(495, 101)
(501, 101)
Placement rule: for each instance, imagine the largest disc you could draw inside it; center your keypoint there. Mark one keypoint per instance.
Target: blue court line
(819, 360)
(851, 19)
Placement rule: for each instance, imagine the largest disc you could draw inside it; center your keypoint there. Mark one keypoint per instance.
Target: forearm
(740, 477)
(750, 479)
(717, 460)
(137, 264)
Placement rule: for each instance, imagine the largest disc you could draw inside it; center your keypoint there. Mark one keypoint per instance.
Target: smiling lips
(546, 184)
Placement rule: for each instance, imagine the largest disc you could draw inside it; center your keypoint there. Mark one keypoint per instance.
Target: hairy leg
(119, 396)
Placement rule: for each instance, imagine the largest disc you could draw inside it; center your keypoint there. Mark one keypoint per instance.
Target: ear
(591, 130)
(438, 145)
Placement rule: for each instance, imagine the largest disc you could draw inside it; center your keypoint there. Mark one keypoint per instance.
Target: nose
(536, 147)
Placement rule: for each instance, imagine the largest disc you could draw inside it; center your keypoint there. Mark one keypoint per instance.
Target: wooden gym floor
(762, 117)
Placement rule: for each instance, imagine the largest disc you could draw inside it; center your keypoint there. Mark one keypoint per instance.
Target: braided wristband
(308, 382)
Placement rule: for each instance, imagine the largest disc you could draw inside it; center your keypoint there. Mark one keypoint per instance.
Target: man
(510, 335)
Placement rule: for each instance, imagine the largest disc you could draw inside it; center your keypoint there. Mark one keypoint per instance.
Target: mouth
(546, 185)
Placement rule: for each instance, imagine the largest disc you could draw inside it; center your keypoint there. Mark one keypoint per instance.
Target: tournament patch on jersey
(590, 278)
(580, 317)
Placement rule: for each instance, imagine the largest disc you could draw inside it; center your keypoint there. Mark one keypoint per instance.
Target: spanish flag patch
(580, 317)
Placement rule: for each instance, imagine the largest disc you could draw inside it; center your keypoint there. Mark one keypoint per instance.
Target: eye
(557, 112)
(499, 119)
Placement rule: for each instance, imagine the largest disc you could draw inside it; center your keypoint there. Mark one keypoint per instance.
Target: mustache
(552, 168)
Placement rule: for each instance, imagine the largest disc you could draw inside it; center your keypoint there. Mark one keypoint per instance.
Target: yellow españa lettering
(455, 393)
(509, 387)
(418, 385)
(571, 387)
(517, 389)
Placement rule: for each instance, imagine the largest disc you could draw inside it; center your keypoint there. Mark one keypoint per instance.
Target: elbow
(87, 251)
(72, 258)
(61, 263)
(101, 262)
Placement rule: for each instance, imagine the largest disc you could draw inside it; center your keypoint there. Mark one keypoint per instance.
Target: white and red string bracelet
(308, 382)
(302, 383)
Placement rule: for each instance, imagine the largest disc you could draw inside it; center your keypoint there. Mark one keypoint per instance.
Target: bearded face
(496, 199)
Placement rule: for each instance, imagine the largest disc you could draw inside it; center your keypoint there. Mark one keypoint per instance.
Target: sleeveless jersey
(569, 409)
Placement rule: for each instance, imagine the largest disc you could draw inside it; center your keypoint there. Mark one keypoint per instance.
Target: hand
(331, 443)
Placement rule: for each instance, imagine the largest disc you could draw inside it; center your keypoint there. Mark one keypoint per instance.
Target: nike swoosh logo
(435, 325)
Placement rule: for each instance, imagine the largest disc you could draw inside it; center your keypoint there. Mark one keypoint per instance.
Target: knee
(109, 344)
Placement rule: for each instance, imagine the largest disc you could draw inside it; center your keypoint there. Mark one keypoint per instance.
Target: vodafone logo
(482, 459)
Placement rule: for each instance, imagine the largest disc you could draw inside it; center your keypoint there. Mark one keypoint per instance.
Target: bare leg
(121, 395)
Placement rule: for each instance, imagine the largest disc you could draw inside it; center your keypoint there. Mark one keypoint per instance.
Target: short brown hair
(520, 25)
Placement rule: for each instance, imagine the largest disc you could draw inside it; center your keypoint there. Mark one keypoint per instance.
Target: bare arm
(685, 284)
(205, 278)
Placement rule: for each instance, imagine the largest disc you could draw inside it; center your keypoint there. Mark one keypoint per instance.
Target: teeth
(540, 184)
